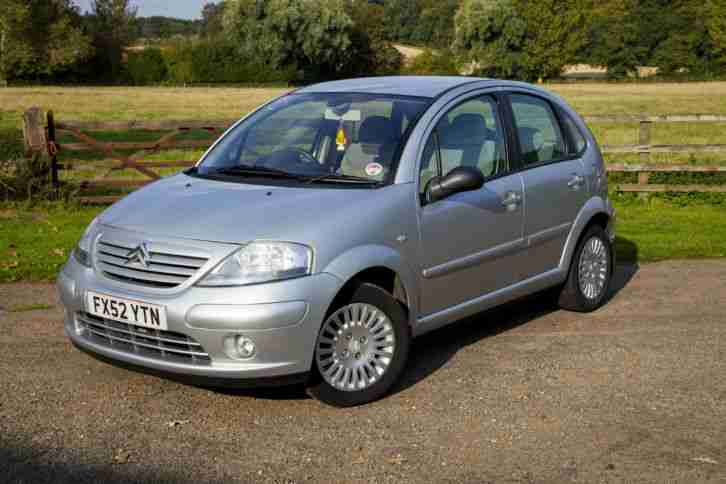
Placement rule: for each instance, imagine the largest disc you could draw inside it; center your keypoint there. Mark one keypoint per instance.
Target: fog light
(245, 347)
(239, 347)
(79, 327)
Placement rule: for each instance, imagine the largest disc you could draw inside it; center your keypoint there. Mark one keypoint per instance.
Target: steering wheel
(293, 160)
(302, 155)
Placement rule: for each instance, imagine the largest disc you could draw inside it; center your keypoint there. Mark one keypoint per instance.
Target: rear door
(554, 180)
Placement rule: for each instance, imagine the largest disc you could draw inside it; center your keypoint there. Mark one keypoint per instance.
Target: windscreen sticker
(341, 140)
(374, 169)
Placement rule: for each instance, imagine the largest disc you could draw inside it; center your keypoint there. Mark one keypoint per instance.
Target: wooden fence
(42, 134)
(644, 147)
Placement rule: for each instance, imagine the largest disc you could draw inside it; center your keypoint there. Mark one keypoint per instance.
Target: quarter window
(540, 137)
(576, 138)
(468, 135)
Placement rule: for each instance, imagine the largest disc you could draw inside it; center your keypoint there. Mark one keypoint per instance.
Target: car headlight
(82, 252)
(261, 262)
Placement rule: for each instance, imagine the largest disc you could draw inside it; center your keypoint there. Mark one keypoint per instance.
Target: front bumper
(282, 318)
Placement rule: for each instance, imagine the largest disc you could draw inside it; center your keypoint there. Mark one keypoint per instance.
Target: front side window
(468, 135)
(540, 137)
(353, 136)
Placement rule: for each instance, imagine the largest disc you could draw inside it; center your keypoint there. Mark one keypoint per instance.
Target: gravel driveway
(635, 392)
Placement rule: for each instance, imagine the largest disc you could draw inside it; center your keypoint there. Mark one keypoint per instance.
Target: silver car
(329, 227)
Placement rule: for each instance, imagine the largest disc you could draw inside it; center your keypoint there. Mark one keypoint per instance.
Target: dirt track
(635, 392)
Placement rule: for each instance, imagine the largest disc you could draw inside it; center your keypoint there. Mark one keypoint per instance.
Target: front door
(471, 242)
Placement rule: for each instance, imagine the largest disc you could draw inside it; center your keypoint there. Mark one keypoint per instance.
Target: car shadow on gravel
(24, 463)
(433, 350)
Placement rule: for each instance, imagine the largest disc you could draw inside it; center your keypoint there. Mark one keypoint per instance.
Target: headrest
(467, 128)
(376, 130)
(531, 139)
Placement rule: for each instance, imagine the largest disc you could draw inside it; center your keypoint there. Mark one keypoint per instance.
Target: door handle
(576, 181)
(511, 199)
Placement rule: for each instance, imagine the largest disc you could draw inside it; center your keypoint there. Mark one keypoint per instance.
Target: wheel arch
(378, 265)
(596, 211)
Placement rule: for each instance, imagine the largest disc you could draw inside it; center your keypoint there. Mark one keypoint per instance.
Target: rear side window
(577, 140)
(540, 137)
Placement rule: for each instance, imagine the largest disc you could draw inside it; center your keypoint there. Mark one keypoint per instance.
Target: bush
(146, 67)
(433, 63)
(21, 178)
(387, 60)
(217, 61)
(179, 61)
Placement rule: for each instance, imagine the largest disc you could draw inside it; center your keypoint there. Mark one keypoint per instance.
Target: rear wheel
(590, 274)
(362, 348)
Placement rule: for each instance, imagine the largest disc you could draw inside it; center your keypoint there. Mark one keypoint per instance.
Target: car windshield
(336, 137)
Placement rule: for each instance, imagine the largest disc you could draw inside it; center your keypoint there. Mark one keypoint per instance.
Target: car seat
(468, 142)
(377, 142)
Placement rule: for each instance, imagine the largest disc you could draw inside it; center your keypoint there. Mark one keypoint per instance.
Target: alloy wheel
(355, 347)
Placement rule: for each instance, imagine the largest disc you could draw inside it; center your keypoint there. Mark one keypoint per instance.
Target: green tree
(524, 39)
(401, 17)
(212, 19)
(716, 25)
(14, 46)
(112, 27)
(490, 37)
(675, 34)
(428, 22)
(613, 37)
(164, 27)
(370, 53)
(146, 66)
(435, 22)
(312, 35)
(40, 38)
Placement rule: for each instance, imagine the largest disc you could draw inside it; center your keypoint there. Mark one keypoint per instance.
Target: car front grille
(163, 269)
(161, 345)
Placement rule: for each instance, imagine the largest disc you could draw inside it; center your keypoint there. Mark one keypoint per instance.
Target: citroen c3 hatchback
(325, 230)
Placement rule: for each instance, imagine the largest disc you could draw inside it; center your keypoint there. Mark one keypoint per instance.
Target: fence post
(644, 132)
(33, 133)
(52, 151)
(644, 140)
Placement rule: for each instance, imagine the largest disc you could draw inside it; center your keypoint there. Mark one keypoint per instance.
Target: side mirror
(460, 179)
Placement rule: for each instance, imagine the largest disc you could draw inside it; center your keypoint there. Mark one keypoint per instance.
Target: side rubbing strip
(548, 234)
(473, 259)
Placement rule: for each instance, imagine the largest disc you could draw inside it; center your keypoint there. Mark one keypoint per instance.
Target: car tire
(362, 348)
(590, 275)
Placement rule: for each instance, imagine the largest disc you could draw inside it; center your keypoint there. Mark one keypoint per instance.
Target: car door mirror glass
(460, 179)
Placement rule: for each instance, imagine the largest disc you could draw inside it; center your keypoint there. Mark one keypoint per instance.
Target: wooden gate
(83, 136)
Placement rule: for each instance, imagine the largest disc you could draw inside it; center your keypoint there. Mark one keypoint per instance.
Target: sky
(190, 9)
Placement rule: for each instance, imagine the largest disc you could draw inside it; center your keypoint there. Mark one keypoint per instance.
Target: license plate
(126, 311)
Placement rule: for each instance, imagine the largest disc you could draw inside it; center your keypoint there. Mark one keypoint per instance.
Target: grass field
(121, 103)
(35, 242)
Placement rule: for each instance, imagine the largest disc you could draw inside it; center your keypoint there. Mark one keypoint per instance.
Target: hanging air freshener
(341, 140)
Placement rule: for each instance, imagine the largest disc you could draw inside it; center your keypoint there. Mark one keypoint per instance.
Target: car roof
(421, 86)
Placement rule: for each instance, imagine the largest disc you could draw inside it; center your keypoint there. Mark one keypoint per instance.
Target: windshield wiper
(257, 171)
(336, 178)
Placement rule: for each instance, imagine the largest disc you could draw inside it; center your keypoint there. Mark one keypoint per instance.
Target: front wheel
(590, 274)
(362, 348)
